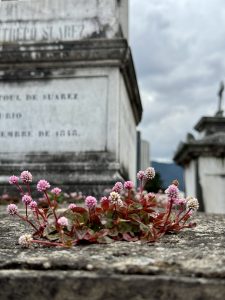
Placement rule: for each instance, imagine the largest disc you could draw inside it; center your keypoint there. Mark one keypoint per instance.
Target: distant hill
(169, 172)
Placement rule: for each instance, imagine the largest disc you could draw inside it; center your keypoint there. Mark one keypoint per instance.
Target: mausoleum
(203, 160)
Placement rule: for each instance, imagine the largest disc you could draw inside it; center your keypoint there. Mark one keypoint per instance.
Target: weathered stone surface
(189, 265)
(57, 20)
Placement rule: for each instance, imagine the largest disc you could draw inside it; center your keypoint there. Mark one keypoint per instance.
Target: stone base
(184, 266)
(89, 173)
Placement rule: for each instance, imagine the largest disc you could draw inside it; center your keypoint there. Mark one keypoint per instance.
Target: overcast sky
(179, 53)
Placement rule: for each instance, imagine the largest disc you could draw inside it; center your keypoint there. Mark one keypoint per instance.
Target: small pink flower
(150, 173)
(140, 175)
(72, 206)
(56, 191)
(13, 179)
(26, 176)
(172, 192)
(117, 187)
(63, 221)
(90, 202)
(12, 209)
(128, 185)
(33, 205)
(26, 199)
(43, 185)
(104, 200)
(180, 201)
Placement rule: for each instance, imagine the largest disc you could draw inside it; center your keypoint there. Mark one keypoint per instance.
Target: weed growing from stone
(125, 215)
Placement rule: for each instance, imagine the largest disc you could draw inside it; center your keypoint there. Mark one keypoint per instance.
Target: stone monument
(204, 163)
(69, 99)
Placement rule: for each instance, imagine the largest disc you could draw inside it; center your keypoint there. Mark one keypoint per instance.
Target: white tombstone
(69, 99)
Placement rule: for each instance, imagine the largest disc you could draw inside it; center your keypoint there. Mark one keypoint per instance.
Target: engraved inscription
(21, 31)
(56, 115)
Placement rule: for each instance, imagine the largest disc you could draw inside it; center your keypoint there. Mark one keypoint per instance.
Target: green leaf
(75, 217)
(124, 227)
(144, 227)
(53, 236)
(49, 229)
(134, 217)
(135, 206)
(51, 233)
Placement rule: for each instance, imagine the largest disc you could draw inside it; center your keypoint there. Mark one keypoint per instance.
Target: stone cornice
(210, 123)
(36, 60)
(188, 151)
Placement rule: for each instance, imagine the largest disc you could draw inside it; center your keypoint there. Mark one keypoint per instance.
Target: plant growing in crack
(126, 214)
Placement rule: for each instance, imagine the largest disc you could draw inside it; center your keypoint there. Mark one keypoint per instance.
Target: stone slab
(189, 265)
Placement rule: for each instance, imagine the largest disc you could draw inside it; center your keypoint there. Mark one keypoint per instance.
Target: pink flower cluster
(63, 221)
(104, 200)
(26, 176)
(12, 209)
(72, 206)
(128, 185)
(56, 191)
(43, 185)
(180, 201)
(13, 179)
(172, 192)
(117, 187)
(148, 174)
(26, 199)
(90, 202)
(33, 205)
(140, 175)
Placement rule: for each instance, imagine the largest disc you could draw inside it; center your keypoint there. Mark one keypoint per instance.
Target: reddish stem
(42, 215)
(179, 213)
(184, 216)
(19, 188)
(26, 211)
(89, 212)
(168, 215)
(114, 212)
(49, 243)
(38, 220)
(142, 185)
(50, 205)
(28, 221)
(28, 188)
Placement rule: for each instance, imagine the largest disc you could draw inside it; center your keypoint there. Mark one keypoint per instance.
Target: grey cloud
(178, 48)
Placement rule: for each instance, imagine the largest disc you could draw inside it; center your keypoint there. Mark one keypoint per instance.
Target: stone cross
(220, 95)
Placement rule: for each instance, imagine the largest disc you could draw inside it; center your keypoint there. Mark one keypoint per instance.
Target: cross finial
(220, 95)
